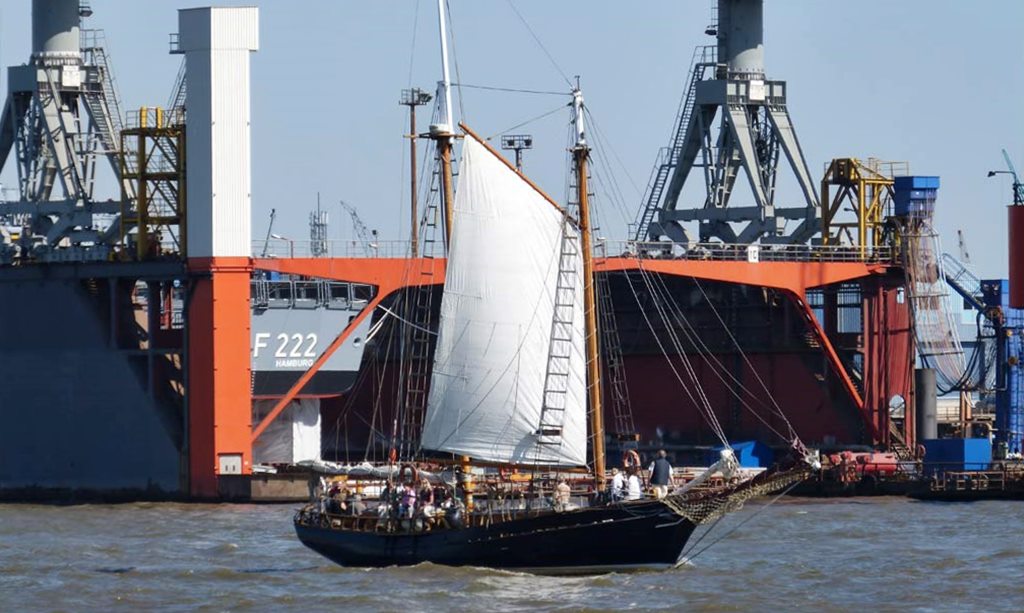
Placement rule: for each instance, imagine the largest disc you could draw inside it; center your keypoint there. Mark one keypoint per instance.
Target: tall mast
(442, 133)
(581, 153)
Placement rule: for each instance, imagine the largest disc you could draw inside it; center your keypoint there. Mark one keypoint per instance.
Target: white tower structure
(60, 118)
(728, 80)
(217, 42)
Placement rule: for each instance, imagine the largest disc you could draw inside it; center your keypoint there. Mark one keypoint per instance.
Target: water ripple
(802, 555)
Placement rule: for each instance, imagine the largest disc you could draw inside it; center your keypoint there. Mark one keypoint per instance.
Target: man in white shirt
(633, 487)
(618, 484)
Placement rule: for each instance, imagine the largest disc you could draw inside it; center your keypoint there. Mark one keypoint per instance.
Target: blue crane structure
(1004, 327)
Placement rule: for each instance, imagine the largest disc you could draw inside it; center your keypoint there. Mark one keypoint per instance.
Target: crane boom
(1018, 187)
(270, 228)
(362, 233)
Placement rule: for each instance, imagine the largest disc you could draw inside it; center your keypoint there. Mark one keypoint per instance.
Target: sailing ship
(515, 397)
(516, 356)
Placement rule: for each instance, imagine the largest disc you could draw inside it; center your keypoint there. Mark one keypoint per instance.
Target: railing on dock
(286, 248)
(723, 252)
(719, 252)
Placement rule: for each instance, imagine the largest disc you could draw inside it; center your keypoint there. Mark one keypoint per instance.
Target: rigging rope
(685, 360)
(455, 61)
(690, 558)
(746, 360)
(705, 410)
(412, 47)
(528, 121)
(540, 44)
(512, 90)
(704, 351)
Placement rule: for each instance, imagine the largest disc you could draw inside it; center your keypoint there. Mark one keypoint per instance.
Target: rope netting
(707, 505)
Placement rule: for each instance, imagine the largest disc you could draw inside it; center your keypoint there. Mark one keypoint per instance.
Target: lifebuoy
(413, 474)
(630, 459)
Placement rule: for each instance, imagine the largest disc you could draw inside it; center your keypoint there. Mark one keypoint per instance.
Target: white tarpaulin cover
(291, 438)
(492, 353)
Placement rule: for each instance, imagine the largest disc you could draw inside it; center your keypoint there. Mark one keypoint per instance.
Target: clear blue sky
(938, 83)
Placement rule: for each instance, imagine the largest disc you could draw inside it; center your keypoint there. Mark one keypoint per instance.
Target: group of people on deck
(341, 501)
(417, 500)
(628, 486)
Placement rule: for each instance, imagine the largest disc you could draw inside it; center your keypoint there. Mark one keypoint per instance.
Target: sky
(936, 83)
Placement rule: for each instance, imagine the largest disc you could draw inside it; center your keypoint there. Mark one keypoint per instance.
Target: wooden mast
(581, 153)
(444, 148)
(442, 133)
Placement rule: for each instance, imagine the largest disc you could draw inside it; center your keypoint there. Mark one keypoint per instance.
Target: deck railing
(285, 248)
(742, 253)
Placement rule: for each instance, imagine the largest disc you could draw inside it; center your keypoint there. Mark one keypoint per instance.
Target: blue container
(915, 195)
(957, 454)
(915, 182)
(751, 454)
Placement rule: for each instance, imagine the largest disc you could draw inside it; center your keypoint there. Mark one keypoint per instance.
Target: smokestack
(741, 37)
(1015, 222)
(925, 391)
(55, 30)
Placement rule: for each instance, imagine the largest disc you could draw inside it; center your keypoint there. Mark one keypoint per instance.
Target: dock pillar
(217, 43)
(925, 391)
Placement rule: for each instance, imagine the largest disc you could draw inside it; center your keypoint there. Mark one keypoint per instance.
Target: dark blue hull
(597, 539)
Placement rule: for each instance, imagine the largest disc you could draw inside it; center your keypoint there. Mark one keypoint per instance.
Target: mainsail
(495, 346)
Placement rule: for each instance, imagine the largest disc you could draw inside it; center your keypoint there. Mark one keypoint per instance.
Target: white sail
(490, 377)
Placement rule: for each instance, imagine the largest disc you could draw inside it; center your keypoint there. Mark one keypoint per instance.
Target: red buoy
(1016, 250)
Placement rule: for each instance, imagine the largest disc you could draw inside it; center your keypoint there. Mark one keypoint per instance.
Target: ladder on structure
(103, 100)
(963, 280)
(615, 391)
(703, 58)
(417, 311)
(178, 92)
(558, 373)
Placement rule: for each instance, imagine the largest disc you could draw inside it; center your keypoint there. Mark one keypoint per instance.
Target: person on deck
(562, 495)
(633, 486)
(408, 505)
(661, 475)
(618, 485)
(426, 499)
(356, 506)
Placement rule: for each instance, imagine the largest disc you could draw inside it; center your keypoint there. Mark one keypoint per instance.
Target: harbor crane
(270, 233)
(368, 238)
(1018, 187)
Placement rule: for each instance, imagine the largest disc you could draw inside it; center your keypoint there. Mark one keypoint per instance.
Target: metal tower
(318, 231)
(61, 116)
(753, 129)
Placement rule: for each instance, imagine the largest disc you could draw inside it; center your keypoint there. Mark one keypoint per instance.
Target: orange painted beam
(400, 272)
(840, 370)
(391, 274)
(388, 274)
(796, 277)
(219, 381)
(294, 390)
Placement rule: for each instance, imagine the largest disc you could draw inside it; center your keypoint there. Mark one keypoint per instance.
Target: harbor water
(798, 555)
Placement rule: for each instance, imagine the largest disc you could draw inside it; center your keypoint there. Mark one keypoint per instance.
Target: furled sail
(504, 365)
